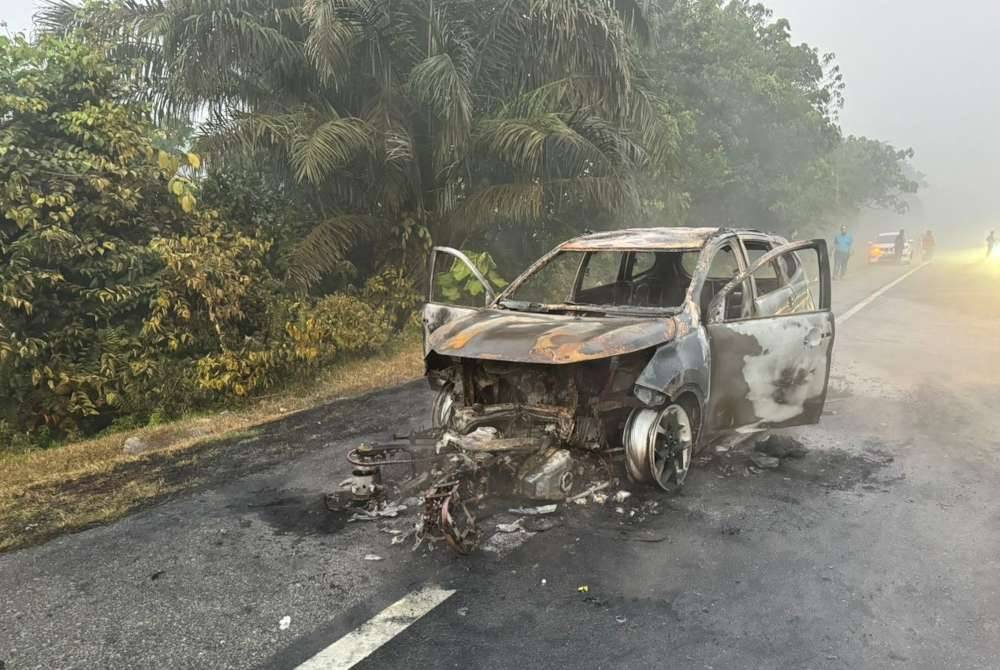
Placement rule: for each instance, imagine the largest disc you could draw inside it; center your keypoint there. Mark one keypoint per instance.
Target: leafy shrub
(394, 292)
(338, 324)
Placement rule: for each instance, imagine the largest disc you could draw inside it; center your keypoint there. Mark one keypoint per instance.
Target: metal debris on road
(620, 619)
(387, 512)
(622, 496)
(534, 511)
(285, 623)
(373, 557)
(510, 527)
(585, 494)
(583, 588)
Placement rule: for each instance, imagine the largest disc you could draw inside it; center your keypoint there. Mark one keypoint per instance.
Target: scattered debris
(621, 619)
(504, 543)
(387, 512)
(544, 582)
(721, 449)
(600, 498)
(781, 446)
(285, 623)
(619, 510)
(462, 611)
(622, 496)
(156, 575)
(447, 516)
(373, 557)
(584, 494)
(510, 527)
(764, 462)
(534, 511)
(583, 588)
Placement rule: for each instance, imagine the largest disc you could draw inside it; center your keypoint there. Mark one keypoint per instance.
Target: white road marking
(369, 636)
(870, 299)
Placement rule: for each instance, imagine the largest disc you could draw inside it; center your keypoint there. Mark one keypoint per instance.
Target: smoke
(920, 75)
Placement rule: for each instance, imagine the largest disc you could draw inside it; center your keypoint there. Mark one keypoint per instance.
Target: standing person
(843, 244)
(900, 245)
(990, 241)
(928, 245)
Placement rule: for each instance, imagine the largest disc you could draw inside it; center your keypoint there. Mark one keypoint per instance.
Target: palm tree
(392, 116)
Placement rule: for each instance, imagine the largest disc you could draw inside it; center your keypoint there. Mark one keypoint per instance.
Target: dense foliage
(119, 294)
(333, 141)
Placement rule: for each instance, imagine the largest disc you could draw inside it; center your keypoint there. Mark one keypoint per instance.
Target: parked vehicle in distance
(883, 249)
(654, 340)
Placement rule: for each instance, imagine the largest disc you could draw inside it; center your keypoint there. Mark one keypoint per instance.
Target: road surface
(879, 549)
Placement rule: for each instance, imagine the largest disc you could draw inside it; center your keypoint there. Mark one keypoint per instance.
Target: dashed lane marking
(387, 624)
(870, 299)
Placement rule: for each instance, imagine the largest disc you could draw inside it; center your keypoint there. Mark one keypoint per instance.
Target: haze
(919, 75)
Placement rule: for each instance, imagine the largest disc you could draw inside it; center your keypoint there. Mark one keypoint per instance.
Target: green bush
(124, 300)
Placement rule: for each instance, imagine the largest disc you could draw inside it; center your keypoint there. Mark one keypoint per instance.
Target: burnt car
(653, 341)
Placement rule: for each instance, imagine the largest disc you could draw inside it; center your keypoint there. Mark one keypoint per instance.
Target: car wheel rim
(658, 446)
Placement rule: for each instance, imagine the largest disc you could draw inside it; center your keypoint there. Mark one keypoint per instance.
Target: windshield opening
(627, 279)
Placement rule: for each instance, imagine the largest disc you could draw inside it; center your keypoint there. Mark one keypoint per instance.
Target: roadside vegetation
(204, 203)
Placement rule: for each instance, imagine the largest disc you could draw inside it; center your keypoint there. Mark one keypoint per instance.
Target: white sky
(920, 74)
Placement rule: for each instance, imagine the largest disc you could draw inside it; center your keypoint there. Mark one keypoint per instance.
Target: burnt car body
(655, 341)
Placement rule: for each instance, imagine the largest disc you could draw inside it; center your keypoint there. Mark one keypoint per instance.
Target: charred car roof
(643, 238)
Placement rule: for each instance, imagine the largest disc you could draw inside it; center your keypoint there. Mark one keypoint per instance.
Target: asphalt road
(878, 549)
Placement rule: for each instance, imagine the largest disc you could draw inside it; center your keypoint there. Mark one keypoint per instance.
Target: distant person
(928, 245)
(900, 245)
(991, 239)
(843, 244)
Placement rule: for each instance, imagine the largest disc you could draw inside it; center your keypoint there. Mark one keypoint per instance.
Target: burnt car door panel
(771, 370)
(456, 289)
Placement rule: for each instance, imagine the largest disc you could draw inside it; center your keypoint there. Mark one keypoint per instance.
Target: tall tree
(400, 120)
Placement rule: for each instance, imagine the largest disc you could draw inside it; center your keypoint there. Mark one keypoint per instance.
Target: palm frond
(528, 144)
(331, 145)
(332, 37)
(323, 249)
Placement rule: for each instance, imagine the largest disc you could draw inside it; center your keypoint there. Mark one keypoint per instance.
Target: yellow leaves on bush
(338, 324)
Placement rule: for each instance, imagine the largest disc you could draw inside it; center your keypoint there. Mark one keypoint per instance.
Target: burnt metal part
(377, 455)
(680, 366)
(447, 517)
(467, 419)
(558, 339)
(547, 475)
(642, 238)
(768, 375)
(472, 443)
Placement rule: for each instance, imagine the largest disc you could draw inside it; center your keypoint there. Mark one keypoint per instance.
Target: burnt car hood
(522, 337)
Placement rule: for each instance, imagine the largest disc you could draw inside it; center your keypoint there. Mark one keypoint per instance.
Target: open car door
(771, 371)
(456, 288)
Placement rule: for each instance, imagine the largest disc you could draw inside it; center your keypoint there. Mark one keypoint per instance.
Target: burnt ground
(878, 549)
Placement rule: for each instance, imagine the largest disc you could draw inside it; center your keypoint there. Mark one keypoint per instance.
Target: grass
(47, 492)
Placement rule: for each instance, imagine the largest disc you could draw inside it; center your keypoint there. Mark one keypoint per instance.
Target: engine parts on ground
(446, 516)
(546, 475)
